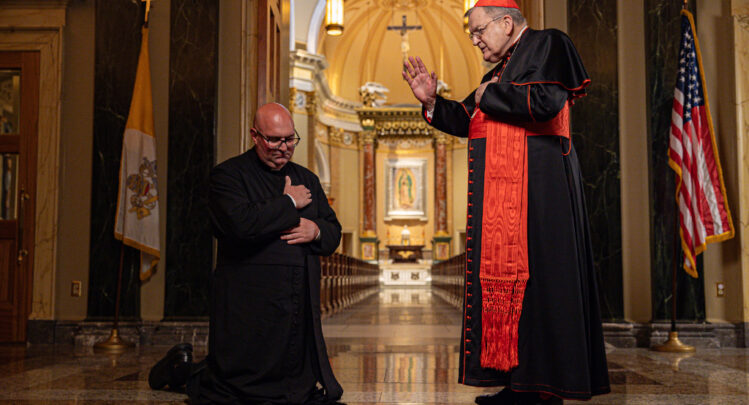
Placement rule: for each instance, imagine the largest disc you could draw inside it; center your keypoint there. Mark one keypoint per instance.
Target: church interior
(391, 295)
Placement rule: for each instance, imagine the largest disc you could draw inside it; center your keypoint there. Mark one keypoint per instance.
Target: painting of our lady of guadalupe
(406, 187)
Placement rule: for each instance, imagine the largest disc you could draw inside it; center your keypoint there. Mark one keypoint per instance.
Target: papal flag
(693, 154)
(137, 222)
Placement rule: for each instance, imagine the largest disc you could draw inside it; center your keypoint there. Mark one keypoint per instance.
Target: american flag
(693, 154)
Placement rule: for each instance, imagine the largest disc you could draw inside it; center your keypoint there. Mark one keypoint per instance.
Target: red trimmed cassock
(531, 316)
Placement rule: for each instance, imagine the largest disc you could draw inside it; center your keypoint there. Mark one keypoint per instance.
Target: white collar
(517, 37)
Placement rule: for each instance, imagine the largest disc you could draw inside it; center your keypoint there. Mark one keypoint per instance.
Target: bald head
(273, 115)
(273, 123)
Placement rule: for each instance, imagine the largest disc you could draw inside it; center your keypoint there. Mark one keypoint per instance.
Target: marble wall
(192, 110)
(592, 25)
(193, 79)
(117, 43)
(662, 32)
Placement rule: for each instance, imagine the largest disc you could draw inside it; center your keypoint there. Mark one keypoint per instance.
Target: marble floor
(395, 347)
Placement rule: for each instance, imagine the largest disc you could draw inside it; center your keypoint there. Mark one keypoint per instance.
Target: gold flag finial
(148, 10)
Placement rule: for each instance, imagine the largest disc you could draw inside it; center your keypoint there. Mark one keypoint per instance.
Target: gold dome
(369, 52)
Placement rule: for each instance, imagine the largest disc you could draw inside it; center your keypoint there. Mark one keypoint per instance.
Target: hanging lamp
(334, 17)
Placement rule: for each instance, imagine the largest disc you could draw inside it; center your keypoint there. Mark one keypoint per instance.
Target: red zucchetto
(497, 3)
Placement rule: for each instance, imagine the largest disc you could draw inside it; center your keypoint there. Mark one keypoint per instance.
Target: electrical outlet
(720, 289)
(75, 289)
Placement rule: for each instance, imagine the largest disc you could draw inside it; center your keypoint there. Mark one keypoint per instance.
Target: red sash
(504, 237)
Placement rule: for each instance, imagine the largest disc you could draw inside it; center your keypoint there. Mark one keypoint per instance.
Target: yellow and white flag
(137, 222)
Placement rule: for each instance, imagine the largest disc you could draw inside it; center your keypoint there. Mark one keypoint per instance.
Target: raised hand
(301, 195)
(423, 84)
(305, 232)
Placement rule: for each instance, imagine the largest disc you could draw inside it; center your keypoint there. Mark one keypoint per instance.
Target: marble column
(309, 109)
(740, 13)
(193, 65)
(117, 43)
(662, 32)
(440, 178)
(441, 236)
(368, 237)
(595, 133)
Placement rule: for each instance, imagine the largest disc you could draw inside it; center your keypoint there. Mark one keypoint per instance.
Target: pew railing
(345, 281)
(448, 278)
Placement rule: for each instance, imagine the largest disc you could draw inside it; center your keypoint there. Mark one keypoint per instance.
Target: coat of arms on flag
(137, 218)
(142, 184)
(693, 154)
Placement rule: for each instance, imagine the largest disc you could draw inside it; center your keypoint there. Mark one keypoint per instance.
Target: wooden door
(19, 105)
(272, 52)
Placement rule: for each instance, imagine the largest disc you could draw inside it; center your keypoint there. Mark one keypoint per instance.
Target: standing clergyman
(531, 317)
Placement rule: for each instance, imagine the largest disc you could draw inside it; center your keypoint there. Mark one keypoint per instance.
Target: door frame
(28, 62)
(37, 25)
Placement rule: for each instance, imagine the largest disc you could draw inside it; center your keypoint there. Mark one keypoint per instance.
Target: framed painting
(406, 189)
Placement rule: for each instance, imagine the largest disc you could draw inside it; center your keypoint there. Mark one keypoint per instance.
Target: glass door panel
(8, 186)
(10, 101)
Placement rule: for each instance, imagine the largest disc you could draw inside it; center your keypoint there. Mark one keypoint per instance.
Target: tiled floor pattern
(397, 347)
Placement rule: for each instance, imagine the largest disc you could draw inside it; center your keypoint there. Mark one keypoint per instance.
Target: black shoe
(504, 397)
(318, 397)
(173, 369)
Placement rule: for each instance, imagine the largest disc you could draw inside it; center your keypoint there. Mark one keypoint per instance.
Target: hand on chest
(275, 185)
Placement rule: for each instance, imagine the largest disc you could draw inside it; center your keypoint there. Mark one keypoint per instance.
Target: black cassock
(265, 342)
(560, 339)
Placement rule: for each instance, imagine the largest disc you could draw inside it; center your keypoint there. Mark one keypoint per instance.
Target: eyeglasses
(480, 31)
(275, 143)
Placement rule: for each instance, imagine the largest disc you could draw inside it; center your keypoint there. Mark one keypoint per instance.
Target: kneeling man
(272, 222)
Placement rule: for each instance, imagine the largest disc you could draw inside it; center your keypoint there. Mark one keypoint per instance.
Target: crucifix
(404, 35)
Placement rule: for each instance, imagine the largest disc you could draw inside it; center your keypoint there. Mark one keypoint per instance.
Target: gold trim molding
(341, 138)
(302, 101)
(393, 122)
(404, 127)
(403, 5)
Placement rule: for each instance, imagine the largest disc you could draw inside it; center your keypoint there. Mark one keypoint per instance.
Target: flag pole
(673, 344)
(115, 343)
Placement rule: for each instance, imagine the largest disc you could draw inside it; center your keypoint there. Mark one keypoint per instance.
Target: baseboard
(167, 333)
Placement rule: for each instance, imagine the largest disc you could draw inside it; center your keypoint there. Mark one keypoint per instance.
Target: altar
(405, 253)
(406, 273)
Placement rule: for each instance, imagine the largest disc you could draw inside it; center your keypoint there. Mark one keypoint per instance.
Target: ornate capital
(442, 138)
(366, 137)
(368, 124)
(301, 101)
(311, 103)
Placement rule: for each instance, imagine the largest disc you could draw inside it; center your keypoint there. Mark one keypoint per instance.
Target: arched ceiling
(367, 51)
